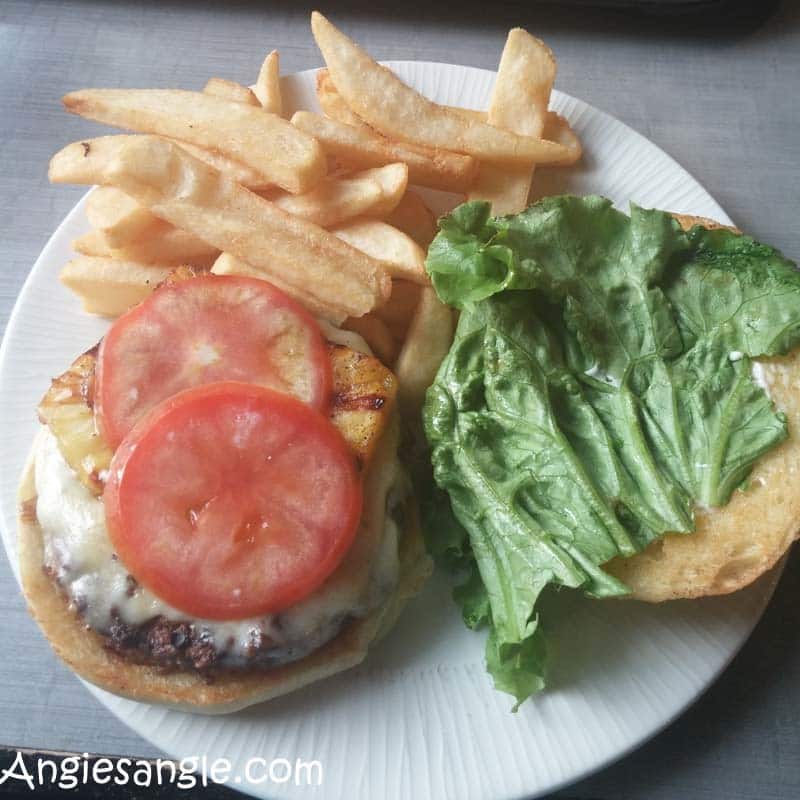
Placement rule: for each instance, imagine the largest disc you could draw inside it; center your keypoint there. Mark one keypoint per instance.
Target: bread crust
(84, 650)
(688, 221)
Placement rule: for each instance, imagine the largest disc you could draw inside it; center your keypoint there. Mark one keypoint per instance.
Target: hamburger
(214, 512)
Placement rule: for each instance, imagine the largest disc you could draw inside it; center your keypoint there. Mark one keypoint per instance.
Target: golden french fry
(239, 172)
(382, 100)
(93, 243)
(165, 245)
(110, 287)
(334, 106)
(376, 334)
(268, 84)
(393, 179)
(468, 113)
(273, 147)
(525, 79)
(226, 264)
(414, 218)
(88, 161)
(400, 254)
(519, 104)
(373, 192)
(399, 309)
(506, 189)
(359, 147)
(196, 198)
(171, 246)
(557, 129)
(137, 224)
(230, 90)
(427, 342)
(105, 206)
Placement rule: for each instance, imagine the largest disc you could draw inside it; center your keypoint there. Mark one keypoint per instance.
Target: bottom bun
(84, 650)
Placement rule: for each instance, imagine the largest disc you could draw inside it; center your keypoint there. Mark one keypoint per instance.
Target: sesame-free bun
(733, 545)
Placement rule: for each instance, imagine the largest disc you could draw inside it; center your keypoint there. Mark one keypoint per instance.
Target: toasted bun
(83, 649)
(688, 221)
(733, 545)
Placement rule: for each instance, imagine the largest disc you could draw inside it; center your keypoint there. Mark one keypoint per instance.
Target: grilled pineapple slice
(67, 410)
(364, 394)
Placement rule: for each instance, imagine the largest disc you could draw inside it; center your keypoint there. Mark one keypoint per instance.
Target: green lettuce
(599, 387)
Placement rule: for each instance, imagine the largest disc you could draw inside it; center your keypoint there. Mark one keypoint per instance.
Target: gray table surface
(725, 104)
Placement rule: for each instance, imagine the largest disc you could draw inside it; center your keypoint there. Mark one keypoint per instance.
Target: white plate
(420, 718)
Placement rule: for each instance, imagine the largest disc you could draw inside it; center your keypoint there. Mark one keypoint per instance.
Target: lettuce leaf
(598, 387)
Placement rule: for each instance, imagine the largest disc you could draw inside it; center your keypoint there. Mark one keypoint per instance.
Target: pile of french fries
(326, 206)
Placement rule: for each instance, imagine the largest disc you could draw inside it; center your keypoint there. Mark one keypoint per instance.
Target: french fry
(401, 255)
(166, 245)
(138, 223)
(468, 113)
(230, 90)
(239, 172)
(268, 84)
(398, 311)
(373, 193)
(273, 147)
(196, 198)
(91, 161)
(359, 147)
(106, 206)
(414, 218)
(556, 128)
(393, 179)
(226, 264)
(382, 100)
(376, 334)
(519, 104)
(427, 342)
(506, 189)
(334, 106)
(524, 82)
(110, 287)
(93, 243)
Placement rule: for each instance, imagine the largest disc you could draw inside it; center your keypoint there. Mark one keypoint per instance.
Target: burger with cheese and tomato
(214, 512)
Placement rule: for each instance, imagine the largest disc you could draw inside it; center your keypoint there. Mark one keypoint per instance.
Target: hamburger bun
(733, 545)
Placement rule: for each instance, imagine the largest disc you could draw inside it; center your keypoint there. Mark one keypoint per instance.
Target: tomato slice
(230, 500)
(203, 330)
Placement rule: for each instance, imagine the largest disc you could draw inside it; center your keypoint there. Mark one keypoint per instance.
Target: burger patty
(133, 622)
(181, 644)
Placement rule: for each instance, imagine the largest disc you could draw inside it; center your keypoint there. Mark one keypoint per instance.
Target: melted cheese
(349, 339)
(79, 553)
